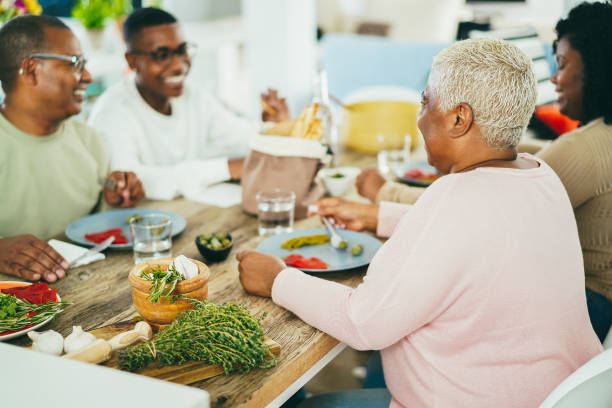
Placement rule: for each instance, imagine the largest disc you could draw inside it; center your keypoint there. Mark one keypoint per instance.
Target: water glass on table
(275, 209)
(393, 152)
(151, 237)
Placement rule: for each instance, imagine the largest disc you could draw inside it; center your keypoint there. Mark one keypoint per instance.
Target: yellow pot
(163, 312)
(362, 122)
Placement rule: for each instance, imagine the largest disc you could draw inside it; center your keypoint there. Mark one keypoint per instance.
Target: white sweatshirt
(175, 154)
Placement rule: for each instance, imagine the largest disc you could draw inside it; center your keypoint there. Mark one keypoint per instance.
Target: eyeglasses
(78, 61)
(164, 55)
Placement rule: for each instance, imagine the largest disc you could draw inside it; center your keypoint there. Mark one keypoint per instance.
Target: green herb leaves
(228, 335)
(8, 306)
(160, 280)
(17, 314)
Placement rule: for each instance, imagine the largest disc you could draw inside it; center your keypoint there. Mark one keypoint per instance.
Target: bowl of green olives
(214, 246)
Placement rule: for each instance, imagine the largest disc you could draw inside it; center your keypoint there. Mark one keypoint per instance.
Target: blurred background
(246, 46)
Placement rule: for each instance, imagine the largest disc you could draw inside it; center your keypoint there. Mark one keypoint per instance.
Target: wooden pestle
(100, 350)
(142, 331)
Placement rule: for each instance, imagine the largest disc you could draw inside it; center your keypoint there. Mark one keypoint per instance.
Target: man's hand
(348, 214)
(369, 183)
(274, 109)
(123, 189)
(235, 168)
(258, 271)
(30, 258)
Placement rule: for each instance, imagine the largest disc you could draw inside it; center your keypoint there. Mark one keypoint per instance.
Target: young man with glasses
(52, 168)
(176, 137)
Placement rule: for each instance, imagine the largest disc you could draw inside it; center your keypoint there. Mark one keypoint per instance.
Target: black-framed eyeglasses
(164, 55)
(77, 61)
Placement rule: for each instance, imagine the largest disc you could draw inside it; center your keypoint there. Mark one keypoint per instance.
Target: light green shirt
(46, 182)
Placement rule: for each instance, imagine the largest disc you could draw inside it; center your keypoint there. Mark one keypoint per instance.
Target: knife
(98, 248)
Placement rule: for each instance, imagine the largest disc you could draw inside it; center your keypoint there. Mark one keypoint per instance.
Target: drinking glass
(275, 210)
(393, 153)
(151, 237)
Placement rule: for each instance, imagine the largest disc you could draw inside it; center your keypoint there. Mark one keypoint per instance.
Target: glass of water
(393, 153)
(151, 237)
(275, 210)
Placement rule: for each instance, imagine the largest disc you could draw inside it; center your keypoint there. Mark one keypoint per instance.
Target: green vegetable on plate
(357, 249)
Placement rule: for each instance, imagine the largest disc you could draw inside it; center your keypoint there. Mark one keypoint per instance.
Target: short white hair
(495, 78)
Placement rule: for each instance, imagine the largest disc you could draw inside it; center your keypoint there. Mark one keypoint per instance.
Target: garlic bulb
(185, 267)
(49, 342)
(78, 340)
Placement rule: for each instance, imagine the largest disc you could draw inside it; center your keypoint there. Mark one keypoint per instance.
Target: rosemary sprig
(217, 334)
(23, 313)
(160, 279)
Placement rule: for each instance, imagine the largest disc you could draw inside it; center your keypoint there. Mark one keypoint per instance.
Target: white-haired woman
(477, 299)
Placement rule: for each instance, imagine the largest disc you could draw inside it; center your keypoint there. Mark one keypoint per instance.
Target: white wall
(280, 44)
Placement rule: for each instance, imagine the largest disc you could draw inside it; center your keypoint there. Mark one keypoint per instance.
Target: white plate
(36, 326)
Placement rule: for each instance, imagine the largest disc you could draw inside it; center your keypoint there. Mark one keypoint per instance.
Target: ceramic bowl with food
(214, 246)
(337, 180)
(165, 310)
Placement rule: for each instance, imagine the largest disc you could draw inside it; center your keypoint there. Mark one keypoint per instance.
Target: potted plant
(14, 8)
(93, 14)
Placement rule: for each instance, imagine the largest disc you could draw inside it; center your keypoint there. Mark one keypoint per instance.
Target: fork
(336, 240)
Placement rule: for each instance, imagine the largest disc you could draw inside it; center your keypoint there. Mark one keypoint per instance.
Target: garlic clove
(185, 267)
(78, 340)
(49, 342)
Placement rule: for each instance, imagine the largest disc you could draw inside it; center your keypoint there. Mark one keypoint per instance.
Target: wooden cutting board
(187, 373)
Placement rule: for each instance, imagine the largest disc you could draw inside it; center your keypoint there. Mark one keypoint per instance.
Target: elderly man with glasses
(53, 169)
(176, 137)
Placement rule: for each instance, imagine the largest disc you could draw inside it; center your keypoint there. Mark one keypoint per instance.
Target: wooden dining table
(101, 295)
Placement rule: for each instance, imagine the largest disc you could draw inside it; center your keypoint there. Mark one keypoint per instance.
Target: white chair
(607, 343)
(589, 386)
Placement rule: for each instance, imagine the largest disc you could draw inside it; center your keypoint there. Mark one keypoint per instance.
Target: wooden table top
(101, 295)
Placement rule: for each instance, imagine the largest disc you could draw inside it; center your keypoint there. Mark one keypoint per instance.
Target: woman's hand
(369, 183)
(348, 214)
(258, 271)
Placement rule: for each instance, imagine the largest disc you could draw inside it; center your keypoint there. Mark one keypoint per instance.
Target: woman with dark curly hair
(583, 158)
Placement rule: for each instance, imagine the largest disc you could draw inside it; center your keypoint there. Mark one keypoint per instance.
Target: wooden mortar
(164, 312)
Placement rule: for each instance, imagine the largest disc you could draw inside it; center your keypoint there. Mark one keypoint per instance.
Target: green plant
(121, 8)
(217, 334)
(92, 13)
(159, 280)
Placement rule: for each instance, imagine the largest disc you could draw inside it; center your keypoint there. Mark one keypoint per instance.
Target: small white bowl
(337, 180)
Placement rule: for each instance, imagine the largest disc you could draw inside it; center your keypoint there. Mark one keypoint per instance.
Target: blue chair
(358, 61)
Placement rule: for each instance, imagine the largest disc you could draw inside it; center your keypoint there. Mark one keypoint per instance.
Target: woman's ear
(463, 119)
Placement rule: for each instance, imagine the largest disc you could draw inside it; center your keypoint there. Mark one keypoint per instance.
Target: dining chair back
(589, 386)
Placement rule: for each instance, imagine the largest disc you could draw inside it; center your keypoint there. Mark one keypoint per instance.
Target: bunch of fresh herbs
(160, 279)
(217, 334)
(17, 314)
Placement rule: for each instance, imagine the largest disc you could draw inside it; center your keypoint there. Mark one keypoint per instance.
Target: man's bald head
(19, 38)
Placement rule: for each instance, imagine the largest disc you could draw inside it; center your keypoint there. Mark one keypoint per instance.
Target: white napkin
(221, 195)
(71, 252)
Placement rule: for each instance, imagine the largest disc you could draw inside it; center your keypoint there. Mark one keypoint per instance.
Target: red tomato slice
(299, 261)
(99, 237)
(413, 173)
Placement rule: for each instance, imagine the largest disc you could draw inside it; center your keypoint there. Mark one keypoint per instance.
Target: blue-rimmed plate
(116, 219)
(337, 259)
(413, 174)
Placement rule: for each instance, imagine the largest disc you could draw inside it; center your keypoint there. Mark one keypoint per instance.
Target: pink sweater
(476, 300)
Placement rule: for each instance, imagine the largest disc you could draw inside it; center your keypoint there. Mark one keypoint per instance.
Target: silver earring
(20, 71)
